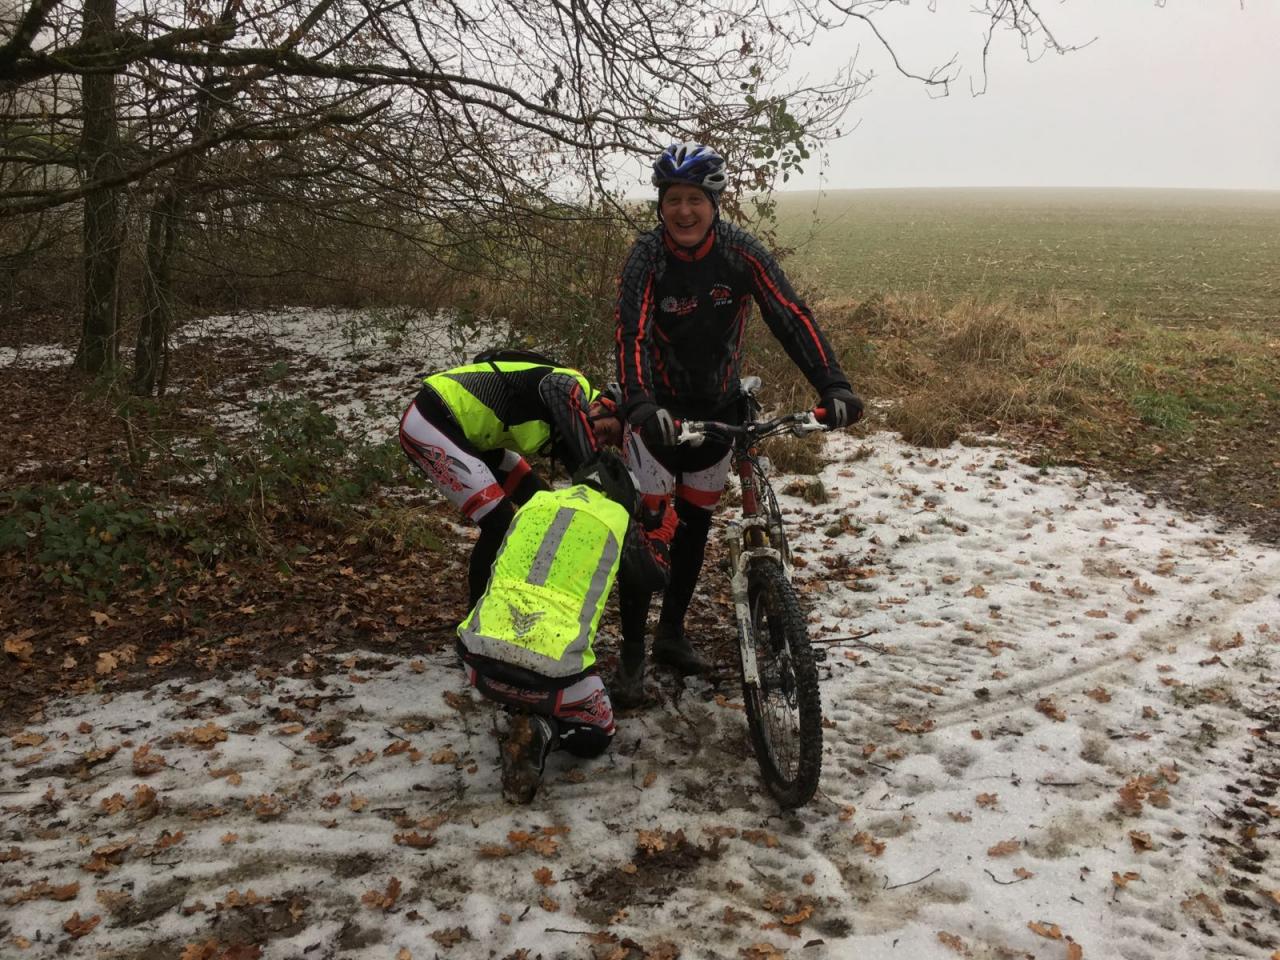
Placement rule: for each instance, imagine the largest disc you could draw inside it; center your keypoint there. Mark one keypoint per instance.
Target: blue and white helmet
(691, 163)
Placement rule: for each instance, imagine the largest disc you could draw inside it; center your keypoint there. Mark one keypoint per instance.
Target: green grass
(1173, 256)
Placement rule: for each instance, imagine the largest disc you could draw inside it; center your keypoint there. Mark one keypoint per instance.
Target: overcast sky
(1184, 95)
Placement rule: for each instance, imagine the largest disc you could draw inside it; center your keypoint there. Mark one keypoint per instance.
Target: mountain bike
(779, 673)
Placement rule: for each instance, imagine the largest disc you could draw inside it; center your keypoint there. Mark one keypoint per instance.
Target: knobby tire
(784, 714)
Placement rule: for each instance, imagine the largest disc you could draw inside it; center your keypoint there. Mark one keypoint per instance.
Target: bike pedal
(819, 655)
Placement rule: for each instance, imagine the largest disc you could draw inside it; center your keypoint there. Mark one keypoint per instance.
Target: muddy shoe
(626, 689)
(524, 753)
(671, 647)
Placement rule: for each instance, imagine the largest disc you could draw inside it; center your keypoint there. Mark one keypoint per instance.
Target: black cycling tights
(688, 549)
(493, 527)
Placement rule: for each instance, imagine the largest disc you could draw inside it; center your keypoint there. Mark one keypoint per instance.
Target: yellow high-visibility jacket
(549, 584)
(503, 403)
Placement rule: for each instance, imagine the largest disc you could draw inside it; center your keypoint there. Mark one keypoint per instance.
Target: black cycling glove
(840, 407)
(654, 423)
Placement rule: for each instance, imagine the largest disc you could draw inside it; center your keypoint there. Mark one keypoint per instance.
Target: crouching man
(528, 643)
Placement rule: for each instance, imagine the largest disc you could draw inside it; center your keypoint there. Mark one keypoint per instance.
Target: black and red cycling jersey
(682, 315)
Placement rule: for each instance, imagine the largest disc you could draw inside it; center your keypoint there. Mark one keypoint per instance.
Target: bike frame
(749, 539)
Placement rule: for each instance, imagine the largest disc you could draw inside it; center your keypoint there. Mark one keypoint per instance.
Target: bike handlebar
(696, 432)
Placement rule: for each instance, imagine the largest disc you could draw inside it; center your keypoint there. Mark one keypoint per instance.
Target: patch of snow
(36, 356)
(362, 366)
(1080, 665)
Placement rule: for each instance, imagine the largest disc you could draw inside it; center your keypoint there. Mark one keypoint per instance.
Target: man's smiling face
(687, 213)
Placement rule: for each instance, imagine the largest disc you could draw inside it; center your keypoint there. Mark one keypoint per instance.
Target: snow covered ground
(361, 365)
(1053, 731)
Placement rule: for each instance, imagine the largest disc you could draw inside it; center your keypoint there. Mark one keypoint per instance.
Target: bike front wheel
(784, 710)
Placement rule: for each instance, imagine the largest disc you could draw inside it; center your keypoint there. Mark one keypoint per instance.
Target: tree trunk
(103, 219)
(151, 350)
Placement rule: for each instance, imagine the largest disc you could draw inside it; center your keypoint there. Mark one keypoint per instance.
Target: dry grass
(1061, 369)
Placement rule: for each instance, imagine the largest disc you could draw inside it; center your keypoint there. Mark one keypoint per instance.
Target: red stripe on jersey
(518, 473)
(699, 498)
(646, 304)
(489, 494)
(788, 304)
(697, 253)
(654, 501)
(587, 430)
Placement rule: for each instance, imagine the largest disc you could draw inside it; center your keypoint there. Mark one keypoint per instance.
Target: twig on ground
(853, 639)
(1059, 783)
(574, 933)
(910, 882)
(1003, 883)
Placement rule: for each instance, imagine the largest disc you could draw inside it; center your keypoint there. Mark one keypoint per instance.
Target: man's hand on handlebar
(839, 407)
(654, 423)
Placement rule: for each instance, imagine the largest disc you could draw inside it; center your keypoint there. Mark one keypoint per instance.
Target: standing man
(684, 299)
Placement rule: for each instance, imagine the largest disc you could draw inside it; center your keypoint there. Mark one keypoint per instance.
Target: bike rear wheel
(784, 711)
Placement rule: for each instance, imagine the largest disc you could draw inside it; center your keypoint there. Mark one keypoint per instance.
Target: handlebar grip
(820, 412)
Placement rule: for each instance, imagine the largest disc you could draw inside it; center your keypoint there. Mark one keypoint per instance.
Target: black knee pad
(583, 739)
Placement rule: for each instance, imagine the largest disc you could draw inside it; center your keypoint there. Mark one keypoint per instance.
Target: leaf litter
(1121, 806)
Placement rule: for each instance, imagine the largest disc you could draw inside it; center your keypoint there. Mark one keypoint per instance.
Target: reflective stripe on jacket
(499, 405)
(549, 583)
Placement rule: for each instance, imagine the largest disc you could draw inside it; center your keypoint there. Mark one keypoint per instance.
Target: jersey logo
(522, 623)
(438, 464)
(721, 295)
(578, 493)
(680, 306)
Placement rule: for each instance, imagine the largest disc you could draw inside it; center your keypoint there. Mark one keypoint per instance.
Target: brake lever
(689, 435)
(808, 423)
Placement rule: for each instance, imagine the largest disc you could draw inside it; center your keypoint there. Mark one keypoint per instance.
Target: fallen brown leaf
(1004, 848)
(1050, 709)
(1050, 931)
(952, 941)
(382, 899)
(450, 936)
(1141, 841)
(79, 928)
(868, 843)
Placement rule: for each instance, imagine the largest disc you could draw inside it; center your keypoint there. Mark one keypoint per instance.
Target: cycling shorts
(475, 481)
(696, 475)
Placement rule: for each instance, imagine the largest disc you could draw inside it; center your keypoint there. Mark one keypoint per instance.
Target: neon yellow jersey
(498, 404)
(549, 584)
